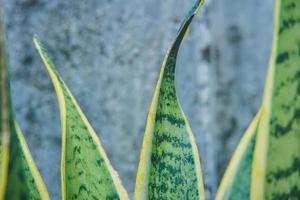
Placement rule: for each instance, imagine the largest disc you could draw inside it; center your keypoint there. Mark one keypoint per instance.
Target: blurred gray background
(110, 52)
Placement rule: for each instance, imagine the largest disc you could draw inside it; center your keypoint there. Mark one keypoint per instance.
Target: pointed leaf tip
(169, 165)
(236, 181)
(35, 38)
(86, 172)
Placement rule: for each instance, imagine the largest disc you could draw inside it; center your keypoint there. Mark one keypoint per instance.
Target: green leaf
(276, 164)
(24, 180)
(237, 178)
(169, 165)
(5, 114)
(19, 178)
(86, 172)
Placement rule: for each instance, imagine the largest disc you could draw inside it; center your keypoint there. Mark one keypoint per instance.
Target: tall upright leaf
(169, 165)
(237, 178)
(19, 175)
(276, 164)
(5, 115)
(86, 172)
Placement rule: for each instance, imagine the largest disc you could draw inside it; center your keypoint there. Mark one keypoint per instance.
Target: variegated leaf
(169, 165)
(237, 178)
(24, 180)
(276, 164)
(86, 172)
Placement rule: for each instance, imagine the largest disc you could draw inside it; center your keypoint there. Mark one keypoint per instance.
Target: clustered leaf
(265, 165)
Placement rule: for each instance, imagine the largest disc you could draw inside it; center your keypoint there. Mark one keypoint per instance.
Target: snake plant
(265, 165)
(85, 169)
(170, 164)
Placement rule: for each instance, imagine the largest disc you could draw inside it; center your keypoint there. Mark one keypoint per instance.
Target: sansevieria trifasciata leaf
(24, 180)
(276, 164)
(237, 179)
(86, 172)
(19, 176)
(266, 164)
(169, 165)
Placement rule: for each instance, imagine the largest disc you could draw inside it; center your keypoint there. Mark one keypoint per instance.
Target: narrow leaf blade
(237, 178)
(85, 169)
(169, 165)
(24, 179)
(276, 158)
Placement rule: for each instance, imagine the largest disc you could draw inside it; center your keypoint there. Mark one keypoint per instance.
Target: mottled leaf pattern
(86, 170)
(237, 178)
(24, 180)
(20, 179)
(169, 165)
(274, 165)
(277, 153)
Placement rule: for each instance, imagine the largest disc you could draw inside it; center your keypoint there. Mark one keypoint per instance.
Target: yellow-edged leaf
(169, 165)
(276, 163)
(86, 172)
(24, 179)
(237, 178)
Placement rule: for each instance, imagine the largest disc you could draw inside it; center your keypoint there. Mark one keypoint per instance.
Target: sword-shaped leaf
(276, 164)
(237, 178)
(86, 172)
(169, 165)
(19, 175)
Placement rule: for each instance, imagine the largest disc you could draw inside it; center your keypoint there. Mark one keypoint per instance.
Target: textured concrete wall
(110, 51)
